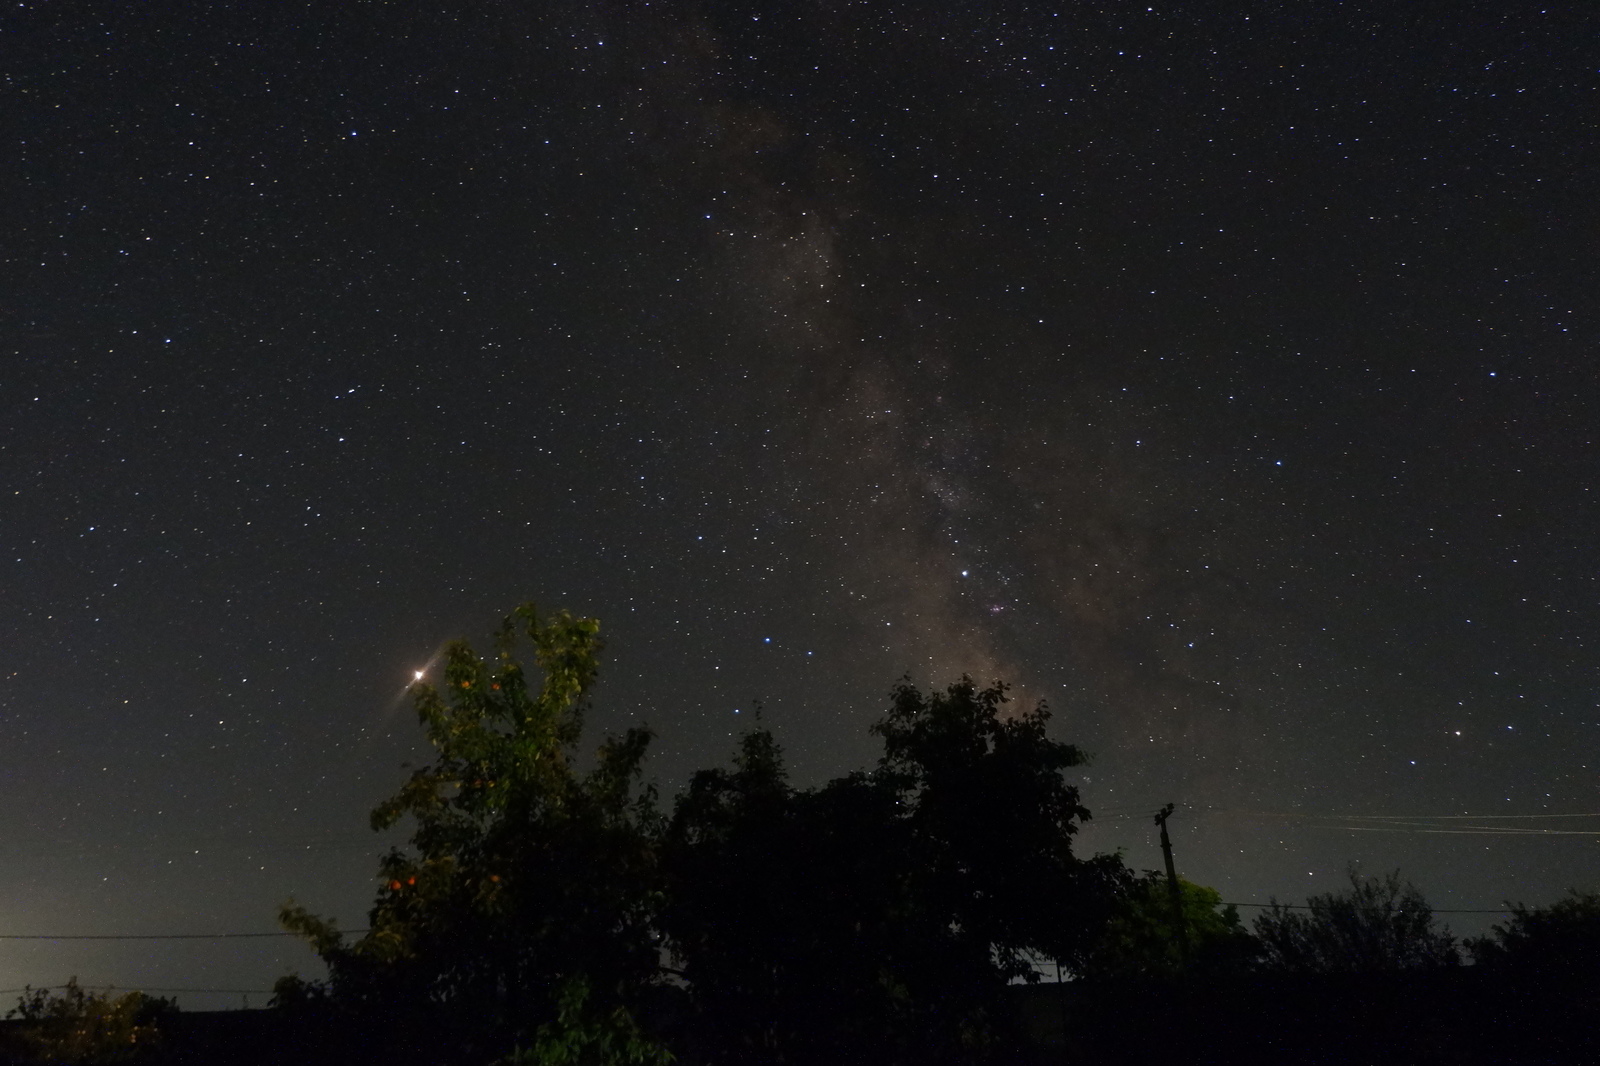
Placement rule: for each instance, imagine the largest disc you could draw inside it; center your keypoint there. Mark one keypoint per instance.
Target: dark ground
(1451, 1017)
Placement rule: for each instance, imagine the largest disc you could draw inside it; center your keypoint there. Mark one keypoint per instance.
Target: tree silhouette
(882, 915)
(991, 821)
(523, 875)
(1559, 943)
(778, 907)
(1139, 941)
(1380, 923)
(80, 1026)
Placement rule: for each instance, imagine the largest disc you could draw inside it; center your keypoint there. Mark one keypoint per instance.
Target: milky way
(1220, 376)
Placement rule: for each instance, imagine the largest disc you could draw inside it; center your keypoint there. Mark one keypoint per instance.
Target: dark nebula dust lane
(1221, 375)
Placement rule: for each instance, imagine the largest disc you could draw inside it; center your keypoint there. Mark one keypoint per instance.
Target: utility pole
(1178, 927)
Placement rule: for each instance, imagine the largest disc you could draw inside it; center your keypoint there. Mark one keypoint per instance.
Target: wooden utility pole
(1179, 929)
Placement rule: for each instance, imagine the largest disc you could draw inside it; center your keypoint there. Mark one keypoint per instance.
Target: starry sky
(1222, 374)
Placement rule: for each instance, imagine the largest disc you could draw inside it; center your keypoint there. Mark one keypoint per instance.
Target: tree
(1380, 923)
(523, 874)
(1139, 940)
(1544, 967)
(79, 1026)
(582, 1036)
(991, 821)
(882, 915)
(779, 909)
(1559, 943)
(729, 862)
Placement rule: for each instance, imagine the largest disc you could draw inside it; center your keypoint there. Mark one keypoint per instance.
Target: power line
(1433, 824)
(1479, 831)
(155, 936)
(1453, 817)
(119, 988)
(1435, 910)
(1327, 816)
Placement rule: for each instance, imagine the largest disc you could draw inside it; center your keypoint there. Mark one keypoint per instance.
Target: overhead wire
(1435, 910)
(143, 988)
(1382, 823)
(157, 936)
(1435, 824)
(1479, 831)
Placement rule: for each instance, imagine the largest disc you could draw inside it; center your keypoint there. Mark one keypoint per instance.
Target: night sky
(1223, 374)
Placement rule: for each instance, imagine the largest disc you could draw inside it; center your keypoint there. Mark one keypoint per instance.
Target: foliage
(991, 822)
(1559, 943)
(580, 1036)
(780, 907)
(78, 1026)
(883, 914)
(1139, 939)
(523, 873)
(1380, 923)
(294, 994)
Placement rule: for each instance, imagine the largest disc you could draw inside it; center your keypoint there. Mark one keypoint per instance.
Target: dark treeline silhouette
(1379, 924)
(883, 916)
(1360, 975)
(543, 913)
(546, 911)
